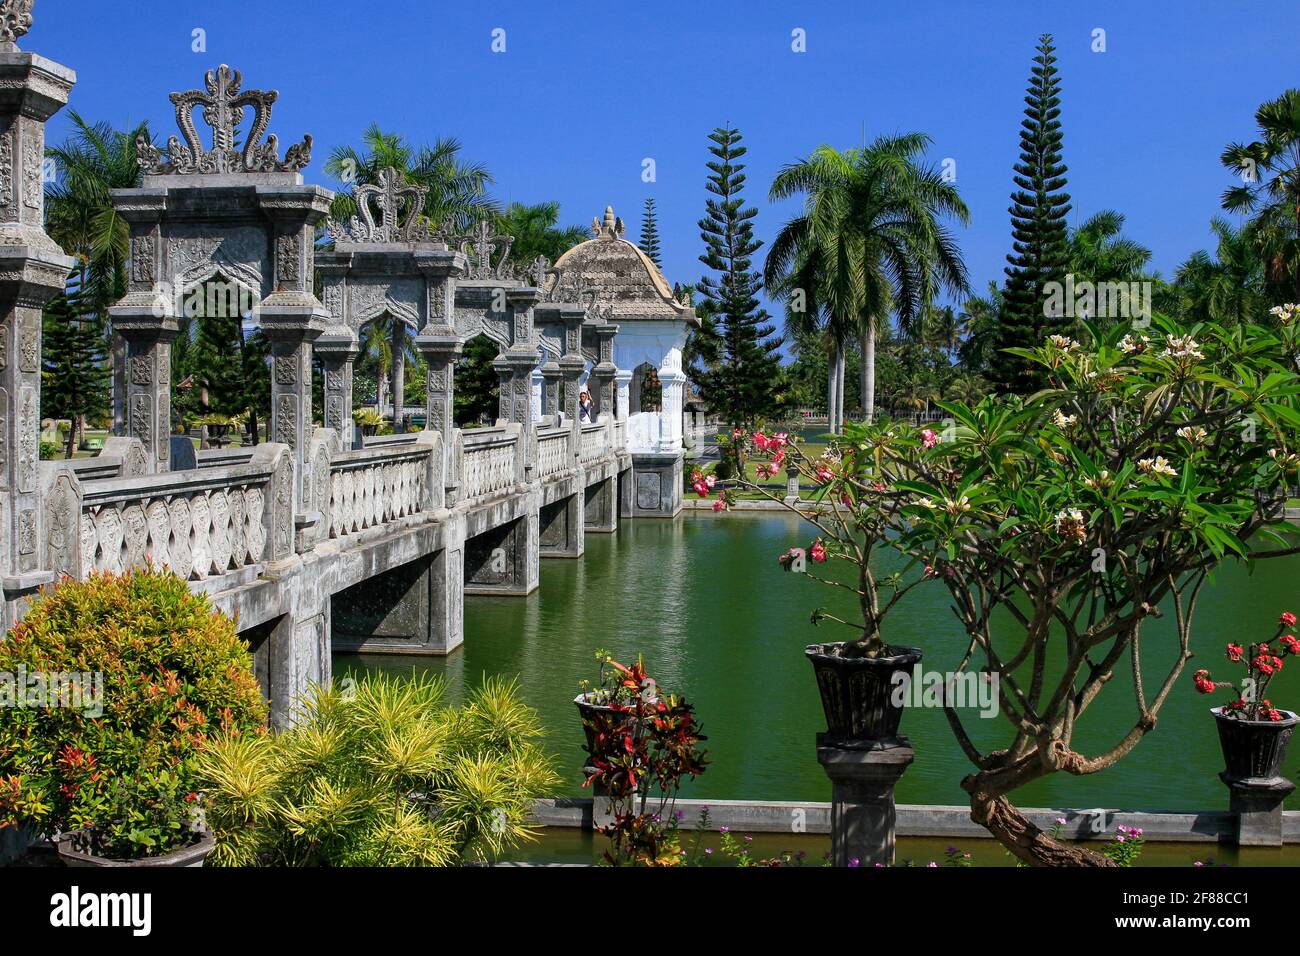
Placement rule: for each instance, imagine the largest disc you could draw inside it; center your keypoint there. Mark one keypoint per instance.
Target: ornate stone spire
(387, 196)
(487, 251)
(15, 21)
(223, 102)
(611, 228)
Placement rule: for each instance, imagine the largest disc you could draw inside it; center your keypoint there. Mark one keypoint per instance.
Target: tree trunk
(1023, 838)
(868, 376)
(399, 372)
(842, 364)
(832, 383)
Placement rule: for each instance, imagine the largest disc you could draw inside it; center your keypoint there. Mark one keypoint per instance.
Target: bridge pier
(502, 559)
(561, 528)
(600, 506)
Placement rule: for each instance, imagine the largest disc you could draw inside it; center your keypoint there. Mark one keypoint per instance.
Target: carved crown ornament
(390, 196)
(223, 101)
(15, 19)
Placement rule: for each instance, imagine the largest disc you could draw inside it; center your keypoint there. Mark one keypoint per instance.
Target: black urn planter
(589, 711)
(1254, 749)
(74, 850)
(857, 692)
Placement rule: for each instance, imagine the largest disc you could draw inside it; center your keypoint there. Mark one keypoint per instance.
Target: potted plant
(218, 427)
(641, 745)
(369, 420)
(125, 679)
(858, 511)
(1253, 734)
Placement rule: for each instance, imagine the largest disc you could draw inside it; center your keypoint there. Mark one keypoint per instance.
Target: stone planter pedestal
(1257, 802)
(863, 774)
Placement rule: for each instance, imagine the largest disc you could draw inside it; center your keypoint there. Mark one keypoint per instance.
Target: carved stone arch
(242, 253)
(368, 312)
(247, 294)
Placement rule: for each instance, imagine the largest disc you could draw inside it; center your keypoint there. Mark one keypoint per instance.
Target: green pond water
(703, 598)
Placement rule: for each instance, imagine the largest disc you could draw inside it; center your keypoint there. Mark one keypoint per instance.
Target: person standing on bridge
(586, 411)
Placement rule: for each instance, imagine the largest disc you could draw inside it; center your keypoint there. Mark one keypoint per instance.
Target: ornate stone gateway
(386, 264)
(214, 230)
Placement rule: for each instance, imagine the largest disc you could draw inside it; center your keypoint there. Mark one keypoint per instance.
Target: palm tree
(80, 217)
(1270, 189)
(1099, 252)
(537, 232)
(871, 239)
(457, 195)
(1227, 289)
(980, 317)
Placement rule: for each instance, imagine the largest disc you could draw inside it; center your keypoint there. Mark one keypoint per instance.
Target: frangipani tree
(1078, 515)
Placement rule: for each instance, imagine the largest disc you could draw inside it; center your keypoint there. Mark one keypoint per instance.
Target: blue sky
(584, 92)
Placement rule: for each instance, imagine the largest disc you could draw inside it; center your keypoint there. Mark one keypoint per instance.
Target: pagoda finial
(611, 228)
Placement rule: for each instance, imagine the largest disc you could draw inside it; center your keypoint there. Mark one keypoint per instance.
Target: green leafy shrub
(382, 773)
(50, 450)
(724, 470)
(161, 671)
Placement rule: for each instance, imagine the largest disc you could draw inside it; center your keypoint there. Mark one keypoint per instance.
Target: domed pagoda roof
(629, 286)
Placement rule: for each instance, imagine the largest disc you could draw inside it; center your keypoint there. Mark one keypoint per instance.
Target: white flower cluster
(1157, 466)
(1070, 524)
(1182, 347)
(1063, 421)
(1192, 433)
(1131, 343)
(1286, 314)
(1063, 342)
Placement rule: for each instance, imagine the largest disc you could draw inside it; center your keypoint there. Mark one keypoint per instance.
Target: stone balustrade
(372, 486)
(553, 454)
(595, 442)
(491, 461)
(200, 524)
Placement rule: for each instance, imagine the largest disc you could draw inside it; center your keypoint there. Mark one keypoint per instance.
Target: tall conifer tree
(1040, 241)
(650, 233)
(737, 367)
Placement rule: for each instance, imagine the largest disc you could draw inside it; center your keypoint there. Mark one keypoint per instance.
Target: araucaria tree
(1040, 243)
(737, 366)
(75, 379)
(650, 233)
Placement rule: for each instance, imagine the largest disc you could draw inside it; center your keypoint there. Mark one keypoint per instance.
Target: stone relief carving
(142, 253)
(6, 167)
(488, 253)
(399, 298)
(334, 413)
(239, 253)
(27, 540)
(29, 346)
(15, 19)
(334, 380)
(63, 527)
(332, 296)
(286, 369)
(33, 155)
(283, 510)
(141, 419)
(286, 421)
(141, 367)
(29, 423)
(286, 260)
(4, 438)
(223, 102)
(4, 347)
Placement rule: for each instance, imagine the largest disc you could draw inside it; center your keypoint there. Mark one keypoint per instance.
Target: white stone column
(673, 381)
(623, 385)
(536, 394)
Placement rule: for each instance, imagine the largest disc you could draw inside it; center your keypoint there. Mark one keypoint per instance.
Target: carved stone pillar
(398, 383)
(337, 349)
(535, 393)
(33, 270)
(292, 319)
(148, 383)
(551, 379)
(605, 371)
(623, 383)
(441, 347)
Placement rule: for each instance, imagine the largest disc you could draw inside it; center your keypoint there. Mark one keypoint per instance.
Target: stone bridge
(319, 539)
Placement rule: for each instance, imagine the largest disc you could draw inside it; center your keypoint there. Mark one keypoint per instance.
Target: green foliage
(536, 231)
(50, 450)
(383, 773)
(1269, 168)
(75, 376)
(736, 357)
(1039, 207)
(457, 195)
(477, 383)
(173, 673)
